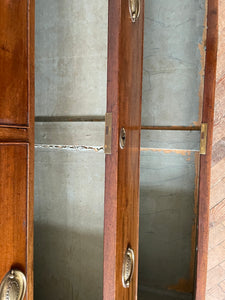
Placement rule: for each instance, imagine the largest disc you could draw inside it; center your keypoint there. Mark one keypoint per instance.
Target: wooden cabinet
(17, 138)
(152, 158)
(178, 101)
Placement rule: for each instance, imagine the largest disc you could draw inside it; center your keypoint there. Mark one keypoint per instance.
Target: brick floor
(216, 259)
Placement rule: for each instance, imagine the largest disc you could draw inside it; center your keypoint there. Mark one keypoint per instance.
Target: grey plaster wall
(71, 57)
(172, 95)
(71, 62)
(68, 223)
(172, 61)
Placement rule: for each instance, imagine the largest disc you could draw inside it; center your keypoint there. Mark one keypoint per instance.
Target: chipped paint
(79, 148)
(76, 148)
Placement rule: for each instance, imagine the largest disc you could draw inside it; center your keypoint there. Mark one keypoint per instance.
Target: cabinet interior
(174, 61)
(70, 105)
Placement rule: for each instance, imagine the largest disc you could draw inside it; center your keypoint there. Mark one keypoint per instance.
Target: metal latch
(13, 286)
(203, 142)
(108, 133)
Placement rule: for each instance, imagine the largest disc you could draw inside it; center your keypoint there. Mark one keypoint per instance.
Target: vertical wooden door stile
(121, 226)
(205, 160)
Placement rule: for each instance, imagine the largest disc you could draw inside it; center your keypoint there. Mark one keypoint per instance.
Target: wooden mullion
(125, 59)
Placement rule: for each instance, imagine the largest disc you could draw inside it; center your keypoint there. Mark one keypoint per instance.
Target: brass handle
(128, 268)
(13, 286)
(122, 138)
(134, 8)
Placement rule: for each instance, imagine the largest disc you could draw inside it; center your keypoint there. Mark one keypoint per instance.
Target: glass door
(178, 95)
(70, 84)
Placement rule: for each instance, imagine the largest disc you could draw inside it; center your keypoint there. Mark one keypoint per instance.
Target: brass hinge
(108, 133)
(203, 142)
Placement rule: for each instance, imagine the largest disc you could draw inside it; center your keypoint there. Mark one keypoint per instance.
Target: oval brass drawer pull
(13, 286)
(134, 8)
(128, 267)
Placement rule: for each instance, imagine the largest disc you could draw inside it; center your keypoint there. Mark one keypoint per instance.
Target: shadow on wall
(68, 224)
(166, 222)
(67, 264)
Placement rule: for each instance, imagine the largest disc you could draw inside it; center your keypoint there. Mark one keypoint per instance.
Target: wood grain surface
(17, 138)
(13, 217)
(125, 55)
(205, 160)
(14, 62)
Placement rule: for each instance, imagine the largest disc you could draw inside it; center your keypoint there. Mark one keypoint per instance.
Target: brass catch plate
(13, 286)
(203, 142)
(108, 133)
(128, 268)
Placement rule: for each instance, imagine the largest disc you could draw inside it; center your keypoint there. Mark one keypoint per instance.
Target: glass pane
(71, 68)
(173, 79)
(167, 224)
(173, 62)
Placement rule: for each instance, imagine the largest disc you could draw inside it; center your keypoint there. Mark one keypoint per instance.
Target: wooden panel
(14, 62)
(17, 125)
(69, 218)
(13, 207)
(13, 134)
(205, 160)
(168, 204)
(122, 166)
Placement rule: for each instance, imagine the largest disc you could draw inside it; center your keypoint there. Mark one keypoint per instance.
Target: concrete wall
(71, 65)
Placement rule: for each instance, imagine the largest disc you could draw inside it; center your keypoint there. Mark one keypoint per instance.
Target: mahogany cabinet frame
(125, 50)
(18, 137)
(124, 93)
(205, 160)
(125, 59)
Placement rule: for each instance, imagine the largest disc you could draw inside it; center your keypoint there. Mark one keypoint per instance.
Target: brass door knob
(13, 286)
